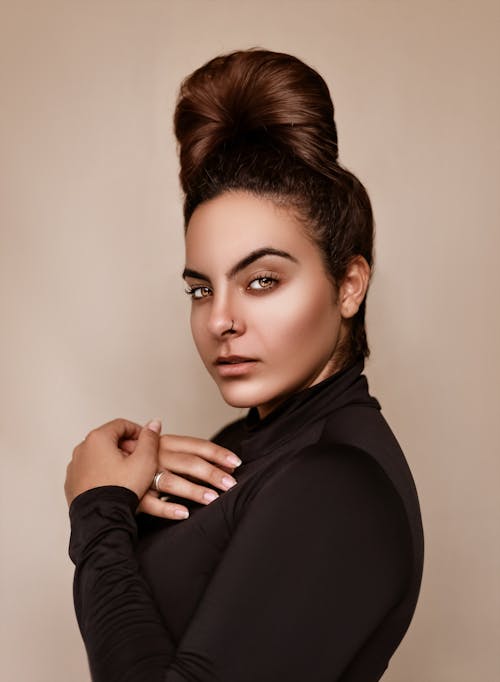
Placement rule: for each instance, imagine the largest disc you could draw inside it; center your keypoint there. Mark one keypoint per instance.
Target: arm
(119, 623)
(319, 559)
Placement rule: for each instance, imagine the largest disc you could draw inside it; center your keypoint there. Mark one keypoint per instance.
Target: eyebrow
(243, 263)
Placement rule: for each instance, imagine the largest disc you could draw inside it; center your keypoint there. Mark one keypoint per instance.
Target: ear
(353, 289)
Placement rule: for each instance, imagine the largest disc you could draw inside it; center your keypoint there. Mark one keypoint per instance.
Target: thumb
(154, 425)
(149, 440)
(142, 464)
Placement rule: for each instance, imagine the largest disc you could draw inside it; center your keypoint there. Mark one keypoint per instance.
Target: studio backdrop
(95, 321)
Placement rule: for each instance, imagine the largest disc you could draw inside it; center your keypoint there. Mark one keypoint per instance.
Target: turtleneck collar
(302, 409)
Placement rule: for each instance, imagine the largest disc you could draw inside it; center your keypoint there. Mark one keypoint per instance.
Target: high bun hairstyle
(263, 122)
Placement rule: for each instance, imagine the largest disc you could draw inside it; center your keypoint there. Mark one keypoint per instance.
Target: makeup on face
(263, 316)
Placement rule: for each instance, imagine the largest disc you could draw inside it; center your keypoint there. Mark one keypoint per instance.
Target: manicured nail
(228, 482)
(181, 513)
(235, 461)
(154, 425)
(210, 496)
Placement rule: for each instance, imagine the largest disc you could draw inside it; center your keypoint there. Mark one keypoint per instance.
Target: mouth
(234, 365)
(232, 360)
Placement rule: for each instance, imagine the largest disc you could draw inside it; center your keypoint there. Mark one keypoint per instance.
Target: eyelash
(272, 277)
(190, 291)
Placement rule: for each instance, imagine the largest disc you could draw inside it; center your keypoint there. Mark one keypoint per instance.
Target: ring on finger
(156, 481)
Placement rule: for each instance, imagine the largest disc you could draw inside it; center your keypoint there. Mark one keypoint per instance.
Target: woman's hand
(188, 464)
(101, 460)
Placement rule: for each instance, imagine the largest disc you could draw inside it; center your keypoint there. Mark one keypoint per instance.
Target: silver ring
(156, 481)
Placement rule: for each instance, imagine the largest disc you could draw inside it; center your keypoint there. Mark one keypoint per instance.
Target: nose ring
(232, 325)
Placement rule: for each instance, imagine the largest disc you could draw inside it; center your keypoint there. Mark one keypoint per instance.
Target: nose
(223, 319)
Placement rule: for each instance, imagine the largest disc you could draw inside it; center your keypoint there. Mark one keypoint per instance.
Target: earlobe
(354, 286)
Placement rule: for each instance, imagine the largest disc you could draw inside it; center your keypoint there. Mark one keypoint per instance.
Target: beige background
(93, 314)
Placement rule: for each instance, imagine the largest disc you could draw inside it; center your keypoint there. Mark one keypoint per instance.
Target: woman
(309, 567)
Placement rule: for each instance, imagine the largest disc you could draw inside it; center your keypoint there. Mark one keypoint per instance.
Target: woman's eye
(197, 292)
(261, 283)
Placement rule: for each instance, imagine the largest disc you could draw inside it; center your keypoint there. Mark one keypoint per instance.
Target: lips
(234, 367)
(232, 359)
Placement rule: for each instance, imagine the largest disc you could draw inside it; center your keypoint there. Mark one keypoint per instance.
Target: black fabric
(308, 569)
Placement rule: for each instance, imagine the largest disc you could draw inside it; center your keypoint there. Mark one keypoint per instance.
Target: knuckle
(92, 435)
(169, 510)
(213, 450)
(215, 477)
(194, 492)
(216, 453)
(166, 460)
(208, 449)
(199, 494)
(167, 481)
(171, 442)
(201, 469)
(184, 462)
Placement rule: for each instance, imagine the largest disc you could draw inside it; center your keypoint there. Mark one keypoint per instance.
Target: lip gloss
(236, 369)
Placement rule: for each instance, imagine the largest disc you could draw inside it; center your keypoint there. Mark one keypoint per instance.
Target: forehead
(235, 223)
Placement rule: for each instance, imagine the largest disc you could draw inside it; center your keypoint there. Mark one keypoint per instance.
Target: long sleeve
(320, 558)
(119, 623)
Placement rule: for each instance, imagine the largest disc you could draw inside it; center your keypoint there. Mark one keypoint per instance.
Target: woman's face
(250, 266)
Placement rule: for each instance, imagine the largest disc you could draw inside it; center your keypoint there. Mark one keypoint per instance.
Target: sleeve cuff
(102, 515)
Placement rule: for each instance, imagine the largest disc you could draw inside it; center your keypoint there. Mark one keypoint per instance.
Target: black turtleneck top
(308, 570)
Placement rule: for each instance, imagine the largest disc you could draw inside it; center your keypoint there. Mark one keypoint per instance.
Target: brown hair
(263, 122)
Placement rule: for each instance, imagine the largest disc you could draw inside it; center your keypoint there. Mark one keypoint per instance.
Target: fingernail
(235, 461)
(154, 425)
(181, 513)
(228, 482)
(210, 496)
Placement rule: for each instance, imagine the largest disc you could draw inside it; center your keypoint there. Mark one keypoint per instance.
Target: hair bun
(250, 95)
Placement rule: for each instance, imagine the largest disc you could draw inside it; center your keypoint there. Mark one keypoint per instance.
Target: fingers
(149, 440)
(99, 461)
(195, 469)
(203, 448)
(128, 445)
(151, 504)
(117, 429)
(172, 484)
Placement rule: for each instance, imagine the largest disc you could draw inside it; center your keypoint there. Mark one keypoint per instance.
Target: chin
(250, 394)
(238, 396)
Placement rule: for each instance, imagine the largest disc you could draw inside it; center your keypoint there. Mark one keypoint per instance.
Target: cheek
(300, 320)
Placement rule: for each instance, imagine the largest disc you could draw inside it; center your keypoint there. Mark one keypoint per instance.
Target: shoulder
(336, 506)
(340, 482)
(334, 464)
